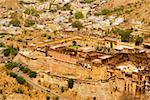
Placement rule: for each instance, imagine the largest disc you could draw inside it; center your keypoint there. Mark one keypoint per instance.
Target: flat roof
(120, 47)
(105, 56)
(58, 46)
(86, 49)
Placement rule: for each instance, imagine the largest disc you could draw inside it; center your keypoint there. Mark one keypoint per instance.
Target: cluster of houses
(109, 52)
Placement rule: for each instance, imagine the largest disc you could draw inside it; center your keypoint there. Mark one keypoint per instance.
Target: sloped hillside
(130, 9)
(10, 4)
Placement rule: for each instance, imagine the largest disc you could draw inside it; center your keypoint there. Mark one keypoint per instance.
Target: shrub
(125, 34)
(19, 90)
(79, 15)
(25, 70)
(32, 74)
(20, 80)
(138, 40)
(10, 50)
(106, 12)
(15, 22)
(11, 65)
(77, 24)
(12, 74)
(70, 83)
(21, 67)
(31, 11)
(87, 1)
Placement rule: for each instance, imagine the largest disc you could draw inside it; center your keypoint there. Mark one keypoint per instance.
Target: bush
(125, 34)
(21, 67)
(12, 74)
(19, 90)
(10, 50)
(25, 70)
(138, 40)
(87, 1)
(79, 15)
(15, 22)
(11, 65)
(77, 24)
(29, 23)
(31, 11)
(70, 83)
(20, 80)
(106, 12)
(32, 74)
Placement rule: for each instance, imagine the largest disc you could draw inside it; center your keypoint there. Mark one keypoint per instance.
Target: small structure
(110, 42)
(146, 45)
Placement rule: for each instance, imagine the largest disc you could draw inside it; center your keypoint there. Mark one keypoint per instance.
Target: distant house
(110, 42)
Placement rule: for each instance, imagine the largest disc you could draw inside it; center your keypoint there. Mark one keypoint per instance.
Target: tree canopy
(10, 50)
(15, 22)
(77, 24)
(70, 83)
(138, 40)
(11, 65)
(79, 15)
(20, 79)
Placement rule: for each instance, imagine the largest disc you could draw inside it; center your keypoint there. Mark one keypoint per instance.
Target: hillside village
(74, 49)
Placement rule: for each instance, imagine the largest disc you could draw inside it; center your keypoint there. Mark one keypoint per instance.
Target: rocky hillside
(130, 9)
(10, 4)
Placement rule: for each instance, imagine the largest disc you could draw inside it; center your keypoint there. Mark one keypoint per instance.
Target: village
(69, 50)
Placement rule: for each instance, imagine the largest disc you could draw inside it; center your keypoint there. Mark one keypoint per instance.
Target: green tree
(125, 34)
(10, 50)
(105, 12)
(12, 74)
(138, 40)
(19, 90)
(11, 65)
(20, 80)
(77, 24)
(31, 11)
(25, 70)
(70, 83)
(15, 22)
(32, 74)
(79, 15)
